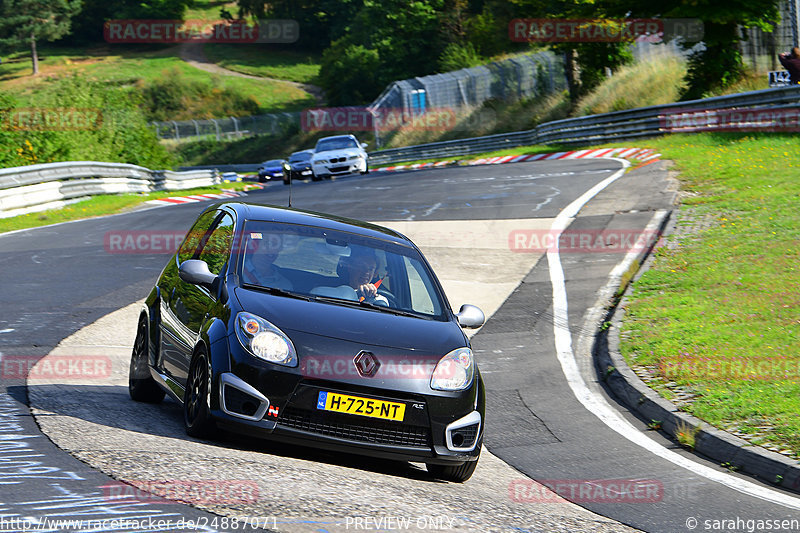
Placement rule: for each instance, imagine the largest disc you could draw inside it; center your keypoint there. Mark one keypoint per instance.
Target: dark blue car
(277, 169)
(312, 330)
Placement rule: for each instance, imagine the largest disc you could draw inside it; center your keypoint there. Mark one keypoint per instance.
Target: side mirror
(364, 145)
(196, 272)
(470, 316)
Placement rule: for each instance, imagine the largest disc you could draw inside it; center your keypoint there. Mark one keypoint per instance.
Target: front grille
(340, 169)
(355, 428)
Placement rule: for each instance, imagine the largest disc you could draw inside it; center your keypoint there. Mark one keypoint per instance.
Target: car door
(187, 308)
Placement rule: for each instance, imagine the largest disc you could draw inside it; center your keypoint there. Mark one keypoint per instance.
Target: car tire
(287, 180)
(196, 417)
(141, 385)
(366, 169)
(456, 473)
(324, 176)
(314, 177)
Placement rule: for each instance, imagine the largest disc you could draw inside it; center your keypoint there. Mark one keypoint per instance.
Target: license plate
(354, 405)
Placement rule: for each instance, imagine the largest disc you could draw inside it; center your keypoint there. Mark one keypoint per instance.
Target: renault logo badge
(366, 363)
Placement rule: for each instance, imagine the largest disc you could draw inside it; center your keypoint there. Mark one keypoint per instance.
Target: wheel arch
(213, 341)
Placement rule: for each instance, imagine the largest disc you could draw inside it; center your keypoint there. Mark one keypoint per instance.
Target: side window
(418, 286)
(192, 241)
(217, 248)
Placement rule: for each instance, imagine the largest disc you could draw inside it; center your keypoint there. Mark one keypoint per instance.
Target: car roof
(290, 215)
(310, 152)
(272, 161)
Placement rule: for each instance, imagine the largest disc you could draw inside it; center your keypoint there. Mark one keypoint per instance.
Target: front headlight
(264, 340)
(454, 371)
(354, 157)
(320, 161)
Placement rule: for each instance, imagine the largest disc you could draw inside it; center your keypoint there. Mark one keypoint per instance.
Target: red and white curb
(643, 155)
(195, 198)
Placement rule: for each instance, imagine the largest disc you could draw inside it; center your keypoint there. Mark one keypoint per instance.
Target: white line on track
(596, 404)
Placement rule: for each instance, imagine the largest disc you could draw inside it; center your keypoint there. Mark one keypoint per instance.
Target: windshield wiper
(278, 292)
(368, 305)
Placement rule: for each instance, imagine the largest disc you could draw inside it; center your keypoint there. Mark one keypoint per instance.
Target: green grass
(265, 61)
(719, 311)
(208, 9)
(137, 66)
(99, 206)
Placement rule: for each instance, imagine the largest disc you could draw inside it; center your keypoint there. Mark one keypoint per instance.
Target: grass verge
(107, 204)
(267, 61)
(715, 322)
(140, 66)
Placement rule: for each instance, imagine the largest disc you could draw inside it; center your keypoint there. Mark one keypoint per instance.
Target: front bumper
(354, 166)
(265, 401)
(302, 172)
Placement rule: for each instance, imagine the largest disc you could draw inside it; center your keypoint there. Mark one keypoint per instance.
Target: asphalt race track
(475, 225)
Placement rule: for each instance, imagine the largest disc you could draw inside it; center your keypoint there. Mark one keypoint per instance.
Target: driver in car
(358, 271)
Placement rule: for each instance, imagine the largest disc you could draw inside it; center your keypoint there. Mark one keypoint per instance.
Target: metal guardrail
(35, 187)
(619, 125)
(46, 186)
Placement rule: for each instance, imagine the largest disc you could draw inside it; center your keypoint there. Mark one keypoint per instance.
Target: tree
(88, 24)
(585, 62)
(321, 21)
(718, 63)
(398, 39)
(25, 21)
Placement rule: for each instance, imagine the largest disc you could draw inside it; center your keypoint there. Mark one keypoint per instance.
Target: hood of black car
(363, 327)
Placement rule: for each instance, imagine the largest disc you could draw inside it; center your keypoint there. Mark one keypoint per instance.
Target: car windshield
(337, 143)
(298, 158)
(334, 267)
(273, 163)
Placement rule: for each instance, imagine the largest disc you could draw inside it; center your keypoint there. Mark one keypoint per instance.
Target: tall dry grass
(654, 81)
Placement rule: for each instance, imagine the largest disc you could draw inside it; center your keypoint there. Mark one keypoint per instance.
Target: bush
(120, 134)
(348, 74)
(174, 96)
(457, 56)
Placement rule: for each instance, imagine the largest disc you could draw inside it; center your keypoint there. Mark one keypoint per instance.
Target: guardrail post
(216, 127)
(235, 126)
(177, 134)
(196, 128)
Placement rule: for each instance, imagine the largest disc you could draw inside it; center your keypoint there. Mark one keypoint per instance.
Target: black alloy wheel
(196, 417)
(141, 385)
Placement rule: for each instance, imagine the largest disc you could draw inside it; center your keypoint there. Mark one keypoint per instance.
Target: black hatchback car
(312, 330)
